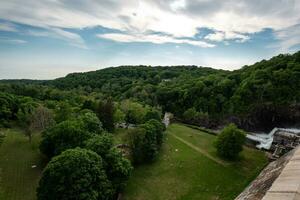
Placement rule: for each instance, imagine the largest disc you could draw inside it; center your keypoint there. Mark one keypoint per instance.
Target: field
(188, 168)
(18, 180)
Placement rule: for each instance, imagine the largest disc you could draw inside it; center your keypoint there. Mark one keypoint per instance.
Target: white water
(265, 140)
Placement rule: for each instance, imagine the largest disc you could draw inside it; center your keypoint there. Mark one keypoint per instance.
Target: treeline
(259, 96)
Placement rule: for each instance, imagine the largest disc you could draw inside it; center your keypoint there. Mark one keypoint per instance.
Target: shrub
(75, 174)
(230, 142)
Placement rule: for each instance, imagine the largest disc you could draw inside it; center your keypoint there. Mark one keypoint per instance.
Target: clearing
(18, 180)
(188, 168)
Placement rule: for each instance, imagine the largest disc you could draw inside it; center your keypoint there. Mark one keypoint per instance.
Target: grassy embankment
(188, 168)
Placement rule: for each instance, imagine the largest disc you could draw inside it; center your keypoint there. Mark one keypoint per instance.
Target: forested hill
(259, 96)
(127, 75)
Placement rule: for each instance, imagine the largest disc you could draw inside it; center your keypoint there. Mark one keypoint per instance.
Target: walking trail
(200, 150)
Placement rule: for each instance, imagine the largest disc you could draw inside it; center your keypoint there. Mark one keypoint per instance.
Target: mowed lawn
(188, 168)
(18, 180)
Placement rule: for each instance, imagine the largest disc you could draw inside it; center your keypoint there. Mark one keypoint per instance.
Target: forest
(255, 97)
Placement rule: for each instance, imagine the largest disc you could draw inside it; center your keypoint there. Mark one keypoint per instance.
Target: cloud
(153, 38)
(288, 38)
(11, 41)
(72, 38)
(221, 36)
(232, 20)
(9, 27)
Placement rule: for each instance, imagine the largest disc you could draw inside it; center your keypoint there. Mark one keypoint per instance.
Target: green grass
(181, 172)
(18, 180)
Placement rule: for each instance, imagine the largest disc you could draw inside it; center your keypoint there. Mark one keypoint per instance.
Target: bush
(230, 142)
(65, 135)
(75, 174)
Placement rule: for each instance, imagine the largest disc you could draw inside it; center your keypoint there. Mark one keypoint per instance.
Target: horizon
(49, 39)
(198, 66)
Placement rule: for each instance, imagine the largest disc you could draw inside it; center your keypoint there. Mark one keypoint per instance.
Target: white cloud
(289, 37)
(156, 39)
(220, 36)
(233, 20)
(178, 4)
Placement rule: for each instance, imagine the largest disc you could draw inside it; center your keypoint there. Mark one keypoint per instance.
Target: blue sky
(46, 39)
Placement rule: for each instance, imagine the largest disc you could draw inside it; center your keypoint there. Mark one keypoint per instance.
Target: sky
(46, 39)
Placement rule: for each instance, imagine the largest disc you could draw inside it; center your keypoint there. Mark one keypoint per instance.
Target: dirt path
(200, 150)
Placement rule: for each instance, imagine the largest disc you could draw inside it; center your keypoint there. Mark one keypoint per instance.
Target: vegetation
(146, 141)
(118, 168)
(65, 135)
(183, 172)
(21, 166)
(74, 174)
(230, 142)
(88, 110)
(259, 96)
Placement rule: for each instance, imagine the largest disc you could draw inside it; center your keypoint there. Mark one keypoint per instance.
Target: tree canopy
(75, 174)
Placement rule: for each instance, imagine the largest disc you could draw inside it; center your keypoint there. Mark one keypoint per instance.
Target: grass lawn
(18, 180)
(191, 170)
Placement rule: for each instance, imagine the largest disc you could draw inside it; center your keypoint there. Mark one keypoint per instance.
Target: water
(265, 139)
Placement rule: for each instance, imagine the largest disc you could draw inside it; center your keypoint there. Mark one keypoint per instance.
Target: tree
(63, 112)
(101, 144)
(88, 104)
(145, 141)
(75, 174)
(118, 169)
(134, 112)
(119, 116)
(150, 146)
(152, 114)
(136, 142)
(90, 122)
(65, 135)
(42, 118)
(105, 112)
(230, 142)
(24, 116)
(159, 128)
